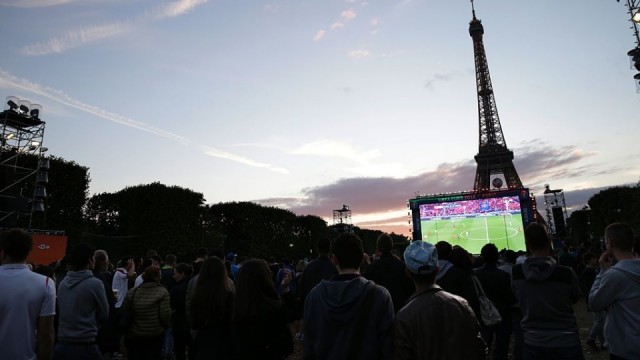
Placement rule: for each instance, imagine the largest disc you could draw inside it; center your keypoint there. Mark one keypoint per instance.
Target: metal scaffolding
(556, 211)
(342, 219)
(23, 169)
(633, 8)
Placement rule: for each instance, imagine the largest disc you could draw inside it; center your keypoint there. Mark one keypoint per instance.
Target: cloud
(330, 148)
(87, 35)
(319, 35)
(359, 53)
(34, 3)
(380, 194)
(536, 163)
(429, 84)
(240, 159)
(75, 39)
(8, 80)
(374, 21)
(345, 16)
(61, 97)
(348, 15)
(172, 9)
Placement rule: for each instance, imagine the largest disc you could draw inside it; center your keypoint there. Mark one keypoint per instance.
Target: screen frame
(523, 195)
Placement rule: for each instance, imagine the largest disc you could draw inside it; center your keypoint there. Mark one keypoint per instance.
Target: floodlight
(42, 178)
(10, 136)
(38, 206)
(24, 106)
(40, 192)
(35, 143)
(636, 16)
(13, 101)
(35, 110)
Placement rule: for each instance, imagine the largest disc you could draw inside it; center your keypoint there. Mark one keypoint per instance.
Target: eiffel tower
(493, 156)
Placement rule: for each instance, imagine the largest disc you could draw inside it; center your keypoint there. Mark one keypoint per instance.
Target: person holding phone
(616, 290)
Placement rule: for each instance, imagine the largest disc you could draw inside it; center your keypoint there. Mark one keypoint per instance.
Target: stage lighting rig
(23, 166)
(633, 7)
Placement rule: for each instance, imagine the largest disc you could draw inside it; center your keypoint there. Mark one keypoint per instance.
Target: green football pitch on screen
(503, 230)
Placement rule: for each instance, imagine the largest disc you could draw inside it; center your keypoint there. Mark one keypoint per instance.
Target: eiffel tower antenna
(493, 156)
(473, 10)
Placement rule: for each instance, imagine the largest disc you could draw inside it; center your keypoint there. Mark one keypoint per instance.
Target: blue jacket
(617, 291)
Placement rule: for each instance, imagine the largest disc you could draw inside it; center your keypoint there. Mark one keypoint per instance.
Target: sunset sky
(308, 105)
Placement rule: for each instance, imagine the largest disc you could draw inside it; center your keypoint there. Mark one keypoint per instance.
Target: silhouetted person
(546, 293)
(389, 271)
(348, 317)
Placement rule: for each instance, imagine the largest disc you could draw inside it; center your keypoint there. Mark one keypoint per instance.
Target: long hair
(211, 299)
(255, 290)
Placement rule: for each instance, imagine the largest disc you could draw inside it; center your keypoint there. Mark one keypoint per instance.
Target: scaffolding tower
(23, 168)
(633, 7)
(556, 211)
(342, 220)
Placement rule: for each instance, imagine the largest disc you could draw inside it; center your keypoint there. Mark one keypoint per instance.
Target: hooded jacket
(331, 316)
(617, 291)
(438, 325)
(82, 304)
(546, 293)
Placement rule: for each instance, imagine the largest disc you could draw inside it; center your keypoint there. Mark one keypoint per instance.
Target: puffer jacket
(438, 325)
(151, 310)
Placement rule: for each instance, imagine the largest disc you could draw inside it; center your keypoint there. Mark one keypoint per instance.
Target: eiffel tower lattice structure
(493, 156)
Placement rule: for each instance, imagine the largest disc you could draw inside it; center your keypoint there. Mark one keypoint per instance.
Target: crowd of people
(469, 207)
(433, 301)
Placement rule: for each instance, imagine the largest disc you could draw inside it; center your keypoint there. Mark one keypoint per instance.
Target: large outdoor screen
(473, 219)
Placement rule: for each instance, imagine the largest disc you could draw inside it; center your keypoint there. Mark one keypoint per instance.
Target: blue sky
(311, 104)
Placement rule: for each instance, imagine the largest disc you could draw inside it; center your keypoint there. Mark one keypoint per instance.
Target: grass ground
(503, 230)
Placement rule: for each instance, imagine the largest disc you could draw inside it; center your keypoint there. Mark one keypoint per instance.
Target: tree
(310, 228)
(580, 221)
(615, 204)
(153, 216)
(254, 230)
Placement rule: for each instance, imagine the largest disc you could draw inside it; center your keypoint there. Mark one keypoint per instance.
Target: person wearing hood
(83, 306)
(616, 290)
(546, 292)
(348, 317)
(434, 324)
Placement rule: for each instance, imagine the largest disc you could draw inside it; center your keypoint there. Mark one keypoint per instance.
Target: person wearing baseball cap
(434, 324)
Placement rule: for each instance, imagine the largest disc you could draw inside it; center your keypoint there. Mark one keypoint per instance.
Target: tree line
(173, 219)
(615, 204)
(176, 219)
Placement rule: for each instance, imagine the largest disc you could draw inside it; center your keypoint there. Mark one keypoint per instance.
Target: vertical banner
(47, 249)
